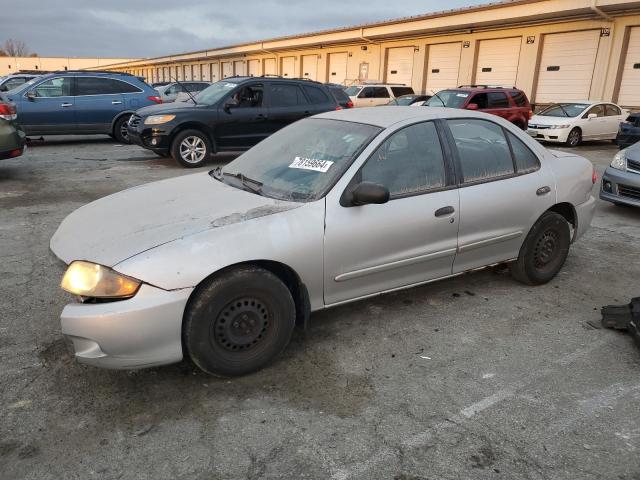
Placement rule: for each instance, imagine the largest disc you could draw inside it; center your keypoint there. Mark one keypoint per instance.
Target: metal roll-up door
(310, 67)
(239, 68)
(270, 66)
(443, 66)
(253, 67)
(400, 65)
(338, 67)
(227, 69)
(629, 93)
(498, 61)
(566, 66)
(289, 67)
(215, 71)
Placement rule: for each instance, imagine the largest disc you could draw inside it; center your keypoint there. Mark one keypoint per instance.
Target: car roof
(385, 116)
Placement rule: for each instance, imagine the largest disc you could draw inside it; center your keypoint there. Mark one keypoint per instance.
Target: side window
(611, 110)
(519, 97)
(286, 96)
(526, 160)
(482, 149)
(172, 90)
(366, 92)
(54, 87)
(399, 91)
(13, 83)
(93, 86)
(409, 161)
(597, 109)
(250, 96)
(380, 92)
(480, 99)
(497, 100)
(316, 95)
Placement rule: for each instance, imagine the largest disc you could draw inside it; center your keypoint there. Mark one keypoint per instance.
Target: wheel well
(195, 126)
(567, 211)
(115, 120)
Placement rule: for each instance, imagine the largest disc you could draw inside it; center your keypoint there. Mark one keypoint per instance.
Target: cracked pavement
(476, 377)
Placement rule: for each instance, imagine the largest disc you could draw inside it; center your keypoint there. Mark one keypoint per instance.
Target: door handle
(67, 105)
(115, 102)
(441, 212)
(543, 191)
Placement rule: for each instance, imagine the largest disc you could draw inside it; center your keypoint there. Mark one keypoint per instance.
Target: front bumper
(557, 135)
(620, 186)
(143, 331)
(157, 139)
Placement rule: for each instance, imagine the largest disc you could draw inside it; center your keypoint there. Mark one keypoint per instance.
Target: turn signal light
(155, 98)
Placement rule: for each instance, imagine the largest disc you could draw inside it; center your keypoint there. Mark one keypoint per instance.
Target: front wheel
(544, 251)
(239, 321)
(120, 132)
(574, 138)
(191, 148)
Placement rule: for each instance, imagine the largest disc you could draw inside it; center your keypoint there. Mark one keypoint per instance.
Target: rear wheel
(574, 138)
(191, 148)
(120, 132)
(544, 251)
(239, 322)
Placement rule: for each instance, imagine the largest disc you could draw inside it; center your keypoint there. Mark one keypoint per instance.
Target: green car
(12, 138)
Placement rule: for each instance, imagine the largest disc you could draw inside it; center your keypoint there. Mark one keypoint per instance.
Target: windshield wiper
(249, 183)
(562, 108)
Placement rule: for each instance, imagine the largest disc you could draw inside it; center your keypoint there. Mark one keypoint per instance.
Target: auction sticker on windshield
(311, 164)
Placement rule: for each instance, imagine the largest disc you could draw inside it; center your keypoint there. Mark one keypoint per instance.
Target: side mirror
(369, 193)
(592, 115)
(31, 95)
(472, 106)
(230, 103)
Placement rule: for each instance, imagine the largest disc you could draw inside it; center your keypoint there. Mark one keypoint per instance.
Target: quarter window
(54, 87)
(482, 148)
(519, 97)
(526, 160)
(409, 161)
(316, 95)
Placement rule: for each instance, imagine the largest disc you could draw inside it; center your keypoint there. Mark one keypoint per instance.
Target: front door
(408, 240)
(52, 110)
(373, 96)
(594, 128)
(245, 123)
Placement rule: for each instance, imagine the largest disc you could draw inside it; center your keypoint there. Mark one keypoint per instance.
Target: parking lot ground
(476, 377)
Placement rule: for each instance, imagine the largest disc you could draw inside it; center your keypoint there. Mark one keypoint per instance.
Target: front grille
(538, 127)
(134, 121)
(633, 166)
(628, 191)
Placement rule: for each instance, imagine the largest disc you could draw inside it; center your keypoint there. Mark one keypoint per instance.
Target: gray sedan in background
(221, 265)
(621, 180)
(171, 92)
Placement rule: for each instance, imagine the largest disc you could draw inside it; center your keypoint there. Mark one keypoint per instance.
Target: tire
(191, 148)
(120, 130)
(544, 251)
(574, 138)
(239, 322)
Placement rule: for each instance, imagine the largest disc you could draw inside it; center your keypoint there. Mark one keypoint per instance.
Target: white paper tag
(462, 95)
(311, 164)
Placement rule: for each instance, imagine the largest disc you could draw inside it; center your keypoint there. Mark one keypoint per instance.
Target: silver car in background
(621, 180)
(335, 208)
(175, 91)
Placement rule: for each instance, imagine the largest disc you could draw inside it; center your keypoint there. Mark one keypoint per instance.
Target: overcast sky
(145, 28)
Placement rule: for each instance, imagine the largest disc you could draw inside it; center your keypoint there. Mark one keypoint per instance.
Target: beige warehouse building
(554, 50)
(51, 64)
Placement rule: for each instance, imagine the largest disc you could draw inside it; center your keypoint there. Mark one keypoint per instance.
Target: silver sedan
(221, 265)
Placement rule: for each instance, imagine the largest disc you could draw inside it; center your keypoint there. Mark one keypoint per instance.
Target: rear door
(498, 104)
(98, 101)
(287, 104)
(613, 116)
(52, 110)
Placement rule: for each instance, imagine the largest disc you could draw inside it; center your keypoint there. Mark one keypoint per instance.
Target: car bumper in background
(619, 186)
(549, 134)
(12, 140)
(143, 331)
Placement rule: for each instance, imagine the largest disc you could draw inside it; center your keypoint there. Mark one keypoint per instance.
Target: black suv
(231, 115)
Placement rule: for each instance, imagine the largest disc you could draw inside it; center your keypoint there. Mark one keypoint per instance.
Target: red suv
(506, 102)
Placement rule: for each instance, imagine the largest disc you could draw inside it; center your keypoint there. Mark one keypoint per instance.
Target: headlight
(560, 126)
(93, 280)
(620, 160)
(158, 119)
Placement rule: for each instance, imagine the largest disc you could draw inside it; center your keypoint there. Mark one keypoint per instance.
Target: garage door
(227, 69)
(289, 67)
(215, 71)
(498, 61)
(338, 67)
(254, 68)
(270, 66)
(443, 66)
(400, 65)
(629, 95)
(566, 66)
(239, 68)
(310, 67)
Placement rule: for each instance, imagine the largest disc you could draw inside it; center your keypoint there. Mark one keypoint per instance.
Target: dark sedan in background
(629, 131)
(621, 180)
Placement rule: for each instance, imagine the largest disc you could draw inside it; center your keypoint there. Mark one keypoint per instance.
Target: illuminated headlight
(92, 280)
(559, 126)
(158, 119)
(620, 160)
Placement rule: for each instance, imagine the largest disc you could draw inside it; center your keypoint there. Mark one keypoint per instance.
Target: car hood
(542, 120)
(633, 152)
(125, 224)
(163, 108)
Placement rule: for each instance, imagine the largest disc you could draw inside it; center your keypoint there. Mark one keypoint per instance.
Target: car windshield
(564, 110)
(23, 87)
(300, 162)
(404, 100)
(352, 91)
(448, 98)
(214, 93)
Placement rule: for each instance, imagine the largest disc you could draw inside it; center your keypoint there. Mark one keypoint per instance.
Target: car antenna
(185, 89)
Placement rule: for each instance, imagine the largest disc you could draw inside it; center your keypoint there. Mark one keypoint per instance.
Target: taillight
(349, 104)
(530, 114)
(15, 153)
(155, 98)
(338, 107)
(7, 111)
(594, 176)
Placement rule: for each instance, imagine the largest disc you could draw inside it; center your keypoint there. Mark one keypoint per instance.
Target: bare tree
(15, 48)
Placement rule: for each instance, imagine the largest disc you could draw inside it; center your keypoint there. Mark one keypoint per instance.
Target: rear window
(339, 94)
(399, 91)
(316, 95)
(519, 98)
(448, 98)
